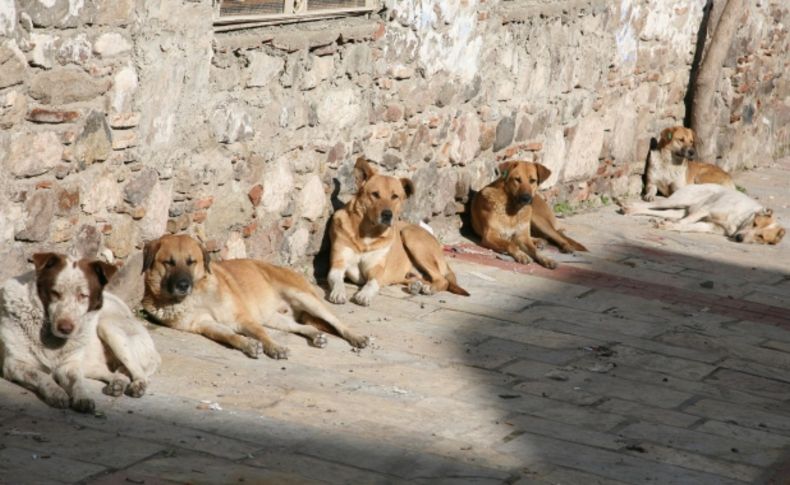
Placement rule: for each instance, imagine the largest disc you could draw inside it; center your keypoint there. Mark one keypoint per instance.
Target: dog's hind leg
(545, 228)
(314, 312)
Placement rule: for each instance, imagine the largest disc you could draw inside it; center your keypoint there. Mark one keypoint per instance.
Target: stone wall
(125, 119)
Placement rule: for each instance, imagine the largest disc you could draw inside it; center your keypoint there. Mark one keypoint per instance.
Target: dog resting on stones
(58, 328)
(372, 247)
(714, 209)
(671, 165)
(509, 211)
(231, 301)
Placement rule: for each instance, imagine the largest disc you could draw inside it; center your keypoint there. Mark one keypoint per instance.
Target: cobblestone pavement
(658, 358)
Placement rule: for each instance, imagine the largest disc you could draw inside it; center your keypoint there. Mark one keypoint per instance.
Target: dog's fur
(58, 328)
(715, 209)
(671, 165)
(231, 301)
(371, 246)
(508, 211)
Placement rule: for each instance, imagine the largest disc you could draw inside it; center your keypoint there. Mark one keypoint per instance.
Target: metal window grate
(314, 5)
(251, 7)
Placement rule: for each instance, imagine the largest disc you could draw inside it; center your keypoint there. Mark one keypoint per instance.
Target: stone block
(63, 85)
(264, 69)
(94, 142)
(111, 44)
(31, 154)
(40, 210)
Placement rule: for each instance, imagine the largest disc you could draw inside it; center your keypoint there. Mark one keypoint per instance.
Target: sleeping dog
(715, 209)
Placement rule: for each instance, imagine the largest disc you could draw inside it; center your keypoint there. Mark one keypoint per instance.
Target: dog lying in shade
(714, 209)
(58, 328)
(509, 211)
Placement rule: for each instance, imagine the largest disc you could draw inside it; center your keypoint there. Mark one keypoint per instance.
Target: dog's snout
(386, 216)
(183, 285)
(691, 153)
(525, 198)
(739, 237)
(65, 326)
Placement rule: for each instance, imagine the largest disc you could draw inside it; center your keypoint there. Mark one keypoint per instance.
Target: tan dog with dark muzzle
(671, 165)
(506, 212)
(371, 247)
(231, 301)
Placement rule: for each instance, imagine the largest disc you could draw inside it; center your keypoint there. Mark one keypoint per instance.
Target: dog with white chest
(58, 328)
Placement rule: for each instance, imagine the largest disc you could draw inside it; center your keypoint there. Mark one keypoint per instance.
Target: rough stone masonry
(124, 119)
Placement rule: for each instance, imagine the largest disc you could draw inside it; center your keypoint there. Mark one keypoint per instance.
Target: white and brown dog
(371, 247)
(231, 301)
(58, 328)
(671, 165)
(714, 209)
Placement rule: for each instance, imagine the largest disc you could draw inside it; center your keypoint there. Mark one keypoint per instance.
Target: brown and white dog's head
(764, 229)
(172, 265)
(70, 290)
(679, 141)
(522, 179)
(380, 198)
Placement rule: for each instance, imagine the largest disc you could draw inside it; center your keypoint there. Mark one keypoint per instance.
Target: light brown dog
(371, 246)
(231, 301)
(507, 212)
(671, 165)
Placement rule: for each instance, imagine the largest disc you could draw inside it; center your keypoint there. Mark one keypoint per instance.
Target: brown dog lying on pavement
(230, 301)
(671, 167)
(509, 210)
(371, 246)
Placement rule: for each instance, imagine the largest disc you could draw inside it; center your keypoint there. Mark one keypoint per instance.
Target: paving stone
(748, 416)
(640, 412)
(18, 465)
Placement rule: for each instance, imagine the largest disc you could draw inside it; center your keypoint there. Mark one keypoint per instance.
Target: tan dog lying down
(371, 246)
(231, 301)
(715, 209)
(508, 211)
(58, 328)
(671, 167)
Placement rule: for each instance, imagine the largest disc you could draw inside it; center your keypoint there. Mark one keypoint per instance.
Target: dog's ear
(767, 212)
(505, 168)
(206, 259)
(543, 173)
(408, 186)
(42, 261)
(104, 271)
(363, 171)
(149, 253)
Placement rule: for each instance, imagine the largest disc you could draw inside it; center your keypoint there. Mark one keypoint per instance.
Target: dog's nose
(386, 216)
(183, 285)
(739, 237)
(65, 326)
(691, 153)
(525, 198)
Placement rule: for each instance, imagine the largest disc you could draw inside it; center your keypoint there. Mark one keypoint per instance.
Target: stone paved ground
(657, 358)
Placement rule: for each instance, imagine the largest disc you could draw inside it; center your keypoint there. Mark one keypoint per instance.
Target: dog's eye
(54, 293)
(394, 197)
(376, 195)
(532, 181)
(190, 262)
(170, 262)
(517, 179)
(82, 296)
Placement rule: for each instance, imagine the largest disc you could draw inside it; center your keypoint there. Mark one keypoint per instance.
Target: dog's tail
(452, 284)
(576, 245)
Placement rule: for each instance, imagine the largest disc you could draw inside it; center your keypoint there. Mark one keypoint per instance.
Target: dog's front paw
(115, 388)
(522, 258)
(137, 388)
(540, 243)
(319, 340)
(277, 352)
(83, 405)
(57, 398)
(567, 249)
(338, 296)
(358, 341)
(363, 297)
(547, 262)
(252, 349)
